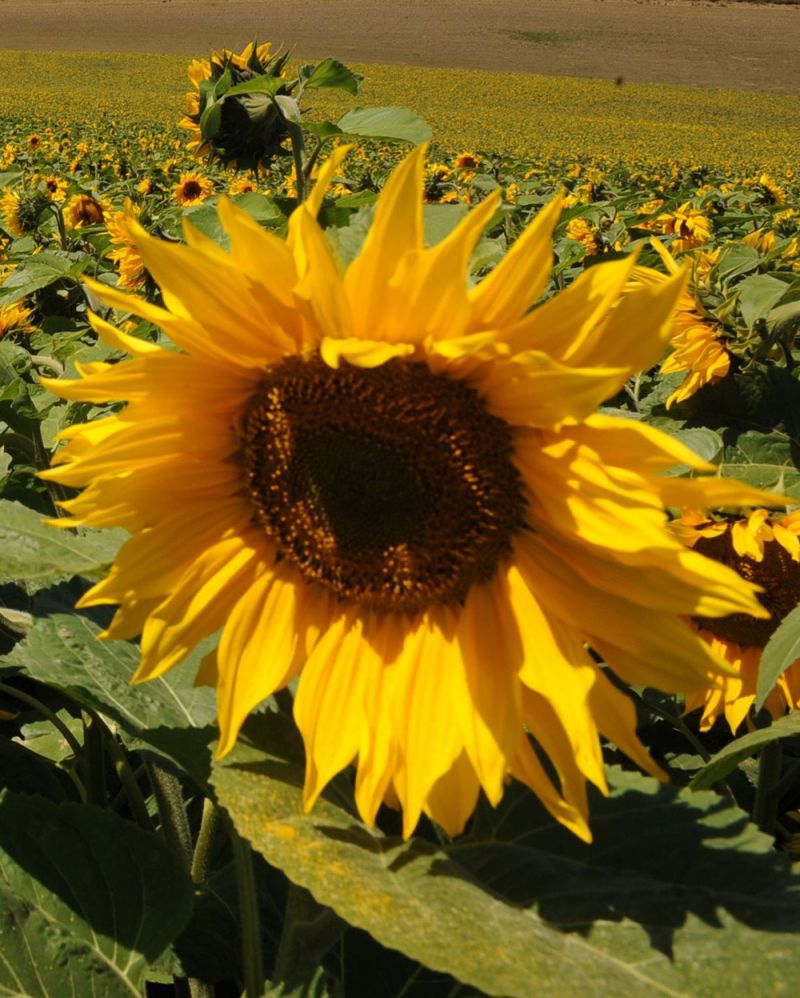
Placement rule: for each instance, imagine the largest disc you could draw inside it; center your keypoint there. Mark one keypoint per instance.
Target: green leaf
(439, 220)
(257, 85)
(727, 759)
(211, 120)
(39, 272)
(391, 123)
(757, 296)
(331, 73)
(782, 649)
(168, 714)
(677, 886)
(322, 129)
(33, 553)
(87, 900)
(736, 259)
(705, 443)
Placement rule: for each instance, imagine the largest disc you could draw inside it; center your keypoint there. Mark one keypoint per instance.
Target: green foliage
(676, 886)
(87, 901)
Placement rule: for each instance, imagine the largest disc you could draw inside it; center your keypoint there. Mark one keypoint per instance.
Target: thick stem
(201, 860)
(298, 152)
(765, 808)
(252, 957)
(172, 812)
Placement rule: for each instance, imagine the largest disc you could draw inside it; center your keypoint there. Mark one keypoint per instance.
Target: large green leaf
(782, 649)
(33, 553)
(727, 759)
(392, 123)
(40, 271)
(676, 887)
(87, 900)
(169, 714)
(757, 296)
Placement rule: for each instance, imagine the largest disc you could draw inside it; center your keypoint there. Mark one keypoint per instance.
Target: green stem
(680, 725)
(765, 808)
(94, 759)
(201, 860)
(127, 778)
(172, 812)
(296, 135)
(54, 719)
(252, 957)
(55, 491)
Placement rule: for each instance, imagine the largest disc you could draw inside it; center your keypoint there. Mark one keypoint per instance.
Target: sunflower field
(399, 533)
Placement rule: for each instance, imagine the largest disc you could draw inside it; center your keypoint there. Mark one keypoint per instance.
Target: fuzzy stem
(765, 807)
(252, 957)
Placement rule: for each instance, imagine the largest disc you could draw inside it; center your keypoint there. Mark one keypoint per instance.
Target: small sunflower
(20, 211)
(585, 233)
(55, 188)
(690, 226)
(467, 161)
(396, 488)
(120, 226)
(765, 550)
(15, 319)
(82, 210)
(696, 345)
(192, 188)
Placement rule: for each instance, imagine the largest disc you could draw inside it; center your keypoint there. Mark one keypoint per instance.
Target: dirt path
(736, 45)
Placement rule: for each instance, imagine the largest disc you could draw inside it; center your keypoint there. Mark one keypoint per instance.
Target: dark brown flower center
(779, 575)
(392, 486)
(191, 189)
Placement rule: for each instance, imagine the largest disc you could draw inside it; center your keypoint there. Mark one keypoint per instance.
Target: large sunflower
(397, 487)
(764, 549)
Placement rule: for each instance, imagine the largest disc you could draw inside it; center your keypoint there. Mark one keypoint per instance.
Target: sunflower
(15, 318)
(246, 129)
(20, 211)
(763, 549)
(125, 255)
(467, 161)
(192, 188)
(82, 210)
(690, 227)
(396, 489)
(584, 232)
(696, 345)
(54, 188)
(10, 213)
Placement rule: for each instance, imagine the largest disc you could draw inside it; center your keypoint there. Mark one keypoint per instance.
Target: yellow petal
(521, 276)
(395, 231)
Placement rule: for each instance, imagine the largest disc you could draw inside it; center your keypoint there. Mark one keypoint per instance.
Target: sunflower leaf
(37, 555)
(392, 123)
(782, 649)
(167, 714)
(728, 758)
(87, 900)
(519, 906)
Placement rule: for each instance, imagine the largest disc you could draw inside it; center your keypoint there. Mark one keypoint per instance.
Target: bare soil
(735, 45)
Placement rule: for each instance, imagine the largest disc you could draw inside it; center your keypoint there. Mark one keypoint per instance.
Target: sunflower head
(764, 549)
(234, 113)
(20, 211)
(82, 210)
(394, 488)
(192, 188)
(15, 318)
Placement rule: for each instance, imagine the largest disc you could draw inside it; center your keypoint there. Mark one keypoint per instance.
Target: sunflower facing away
(764, 549)
(697, 348)
(396, 486)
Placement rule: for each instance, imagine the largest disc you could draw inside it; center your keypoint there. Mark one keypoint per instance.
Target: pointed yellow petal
(521, 276)
(395, 231)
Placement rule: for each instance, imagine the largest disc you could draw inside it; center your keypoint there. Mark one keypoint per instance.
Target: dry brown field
(710, 44)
